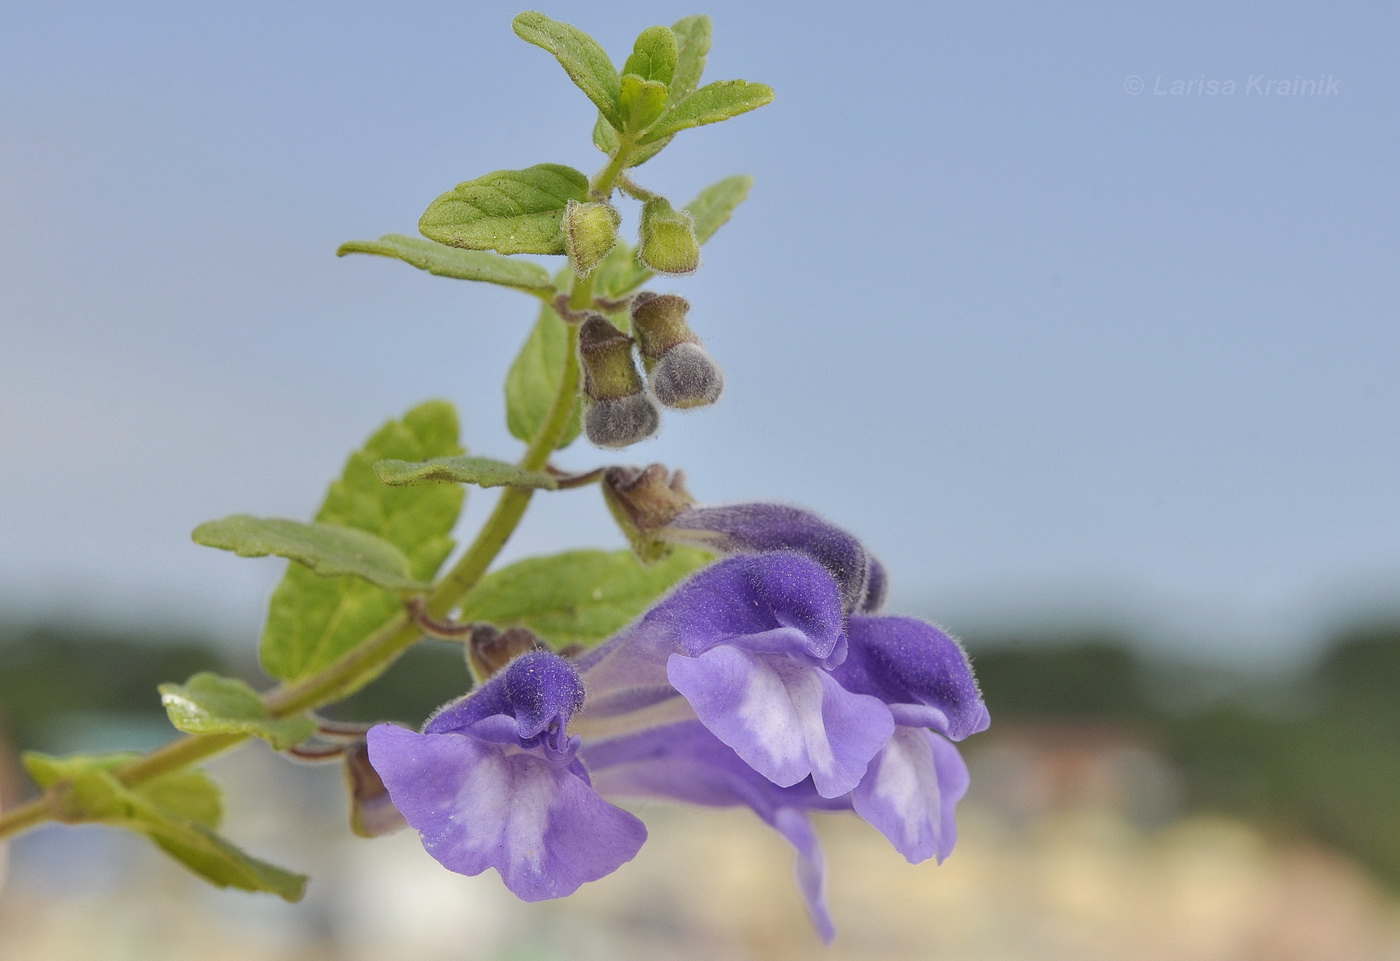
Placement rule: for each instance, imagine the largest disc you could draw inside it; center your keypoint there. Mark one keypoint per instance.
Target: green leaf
(716, 204)
(605, 139)
(481, 471)
(692, 47)
(210, 704)
(577, 596)
(642, 102)
(328, 549)
(313, 620)
(585, 62)
(512, 211)
(533, 378)
(178, 811)
(445, 261)
(653, 55)
(710, 104)
(217, 860)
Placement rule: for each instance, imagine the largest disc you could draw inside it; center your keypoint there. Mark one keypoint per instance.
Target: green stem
(361, 665)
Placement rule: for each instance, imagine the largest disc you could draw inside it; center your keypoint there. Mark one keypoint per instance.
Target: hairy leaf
(692, 47)
(328, 549)
(716, 204)
(314, 620)
(582, 58)
(533, 379)
(653, 55)
(178, 811)
(445, 261)
(577, 596)
(481, 471)
(210, 704)
(710, 104)
(511, 211)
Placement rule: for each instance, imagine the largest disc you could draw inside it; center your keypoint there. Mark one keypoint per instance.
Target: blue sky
(1057, 345)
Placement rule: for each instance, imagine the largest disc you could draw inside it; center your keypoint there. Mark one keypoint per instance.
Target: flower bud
(372, 813)
(643, 501)
(490, 649)
(617, 411)
(590, 231)
(668, 244)
(681, 372)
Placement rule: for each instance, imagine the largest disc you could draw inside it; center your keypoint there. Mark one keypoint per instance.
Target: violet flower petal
(787, 719)
(762, 527)
(781, 602)
(910, 793)
(479, 806)
(904, 661)
(685, 762)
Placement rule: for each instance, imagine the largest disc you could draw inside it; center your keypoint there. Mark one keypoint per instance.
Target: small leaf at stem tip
(582, 58)
(510, 211)
(313, 620)
(653, 55)
(577, 596)
(210, 704)
(328, 549)
(444, 261)
(481, 471)
(642, 102)
(710, 104)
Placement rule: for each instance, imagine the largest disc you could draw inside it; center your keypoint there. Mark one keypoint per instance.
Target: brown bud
(490, 649)
(372, 813)
(644, 500)
(606, 355)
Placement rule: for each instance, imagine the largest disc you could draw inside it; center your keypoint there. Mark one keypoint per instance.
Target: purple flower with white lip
(750, 643)
(910, 785)
(493, 782)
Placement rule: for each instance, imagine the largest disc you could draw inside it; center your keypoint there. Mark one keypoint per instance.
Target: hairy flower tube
(766, 680)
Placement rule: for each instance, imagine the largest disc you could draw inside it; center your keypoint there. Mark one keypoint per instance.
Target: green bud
(680, 371)
(590, 231)
(668, 244)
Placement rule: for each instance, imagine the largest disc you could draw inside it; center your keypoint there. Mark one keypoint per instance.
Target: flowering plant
(734, 656)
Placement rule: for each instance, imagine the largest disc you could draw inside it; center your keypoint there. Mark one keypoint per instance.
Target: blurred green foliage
(1316, 753)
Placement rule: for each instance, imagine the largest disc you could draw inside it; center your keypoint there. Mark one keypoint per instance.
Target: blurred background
(1076, 314)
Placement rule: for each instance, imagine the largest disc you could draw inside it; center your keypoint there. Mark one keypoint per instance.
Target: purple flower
(766, 680)
(909, 782)
(493, 782)
(749, 643)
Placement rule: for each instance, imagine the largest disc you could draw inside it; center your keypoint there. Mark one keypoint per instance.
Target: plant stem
(362, 664)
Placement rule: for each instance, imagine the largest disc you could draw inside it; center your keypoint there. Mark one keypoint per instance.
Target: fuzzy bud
(686, 376)
(681, 372)
(668, 244)
(618, 412)
(590, 231)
